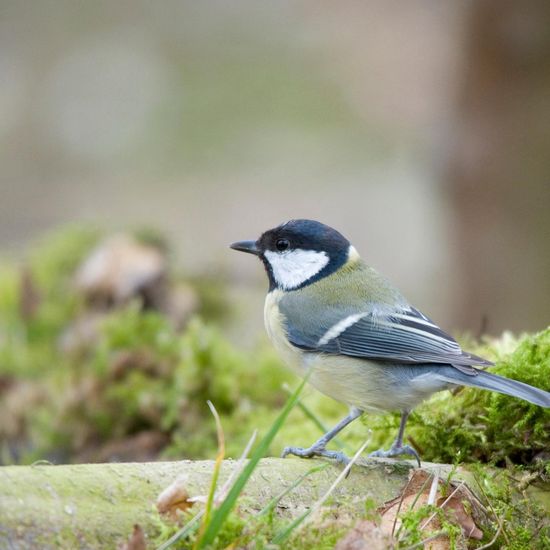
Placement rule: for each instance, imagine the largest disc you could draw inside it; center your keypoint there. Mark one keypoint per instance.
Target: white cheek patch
(294, 267)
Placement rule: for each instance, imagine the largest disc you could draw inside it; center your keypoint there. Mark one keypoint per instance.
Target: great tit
(330, 314)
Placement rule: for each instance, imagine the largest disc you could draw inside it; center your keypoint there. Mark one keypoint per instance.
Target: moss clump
(411, 531)
(517, 521)
(37, 302)
(134, 387)
(144, 378)
(474, 425)
(484, 426)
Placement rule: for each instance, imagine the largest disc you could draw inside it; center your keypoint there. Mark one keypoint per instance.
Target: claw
(310, 452)
(397, 451)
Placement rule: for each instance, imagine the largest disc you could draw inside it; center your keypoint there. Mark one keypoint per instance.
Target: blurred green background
(421, 130)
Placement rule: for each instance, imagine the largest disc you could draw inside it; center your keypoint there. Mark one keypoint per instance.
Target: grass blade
(215, 475)
(220, 515)
(283, 534)
(195, 523)
(186, 530)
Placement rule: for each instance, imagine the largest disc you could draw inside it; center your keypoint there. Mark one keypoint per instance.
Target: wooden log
(97, 505)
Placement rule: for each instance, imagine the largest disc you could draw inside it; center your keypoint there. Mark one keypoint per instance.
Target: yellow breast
(356, 382)
(274, 325)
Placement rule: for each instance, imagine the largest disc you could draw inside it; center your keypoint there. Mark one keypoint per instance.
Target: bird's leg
(319, 447)
(398, 448)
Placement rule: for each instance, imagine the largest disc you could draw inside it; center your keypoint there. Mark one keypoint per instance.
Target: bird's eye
(282, 244)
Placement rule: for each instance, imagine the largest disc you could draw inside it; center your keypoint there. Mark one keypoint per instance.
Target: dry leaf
(416, 494)
(417, 480)
(174, 498)
(136, 540)
(460, 516)
(366, 535)
(121, 268)
(389, 520)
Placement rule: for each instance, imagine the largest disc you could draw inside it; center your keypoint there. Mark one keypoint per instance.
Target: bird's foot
(312, 451)
(396, 450)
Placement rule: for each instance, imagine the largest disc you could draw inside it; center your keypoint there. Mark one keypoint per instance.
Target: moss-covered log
(96, 505)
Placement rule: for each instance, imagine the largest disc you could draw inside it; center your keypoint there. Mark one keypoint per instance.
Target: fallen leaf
(121, 268)
(450, 498)
(418, 481)
(456, 506)
(366, 535)
(412, 503)
(175, 498)
(136, 540)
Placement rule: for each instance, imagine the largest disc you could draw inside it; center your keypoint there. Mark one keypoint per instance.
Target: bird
(333, 317)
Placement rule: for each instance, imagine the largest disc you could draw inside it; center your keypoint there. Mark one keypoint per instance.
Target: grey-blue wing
(403, 336)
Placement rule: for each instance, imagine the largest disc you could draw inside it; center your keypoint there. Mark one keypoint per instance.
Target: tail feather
(489, 381)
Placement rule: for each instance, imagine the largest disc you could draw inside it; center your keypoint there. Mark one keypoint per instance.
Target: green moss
(484, 426)
(475, 425)
(520, 522)
(55, 257)
(139, 374)
(211, 291)
(321, 535)
(29, 341)
(240, 530)
(147, 377)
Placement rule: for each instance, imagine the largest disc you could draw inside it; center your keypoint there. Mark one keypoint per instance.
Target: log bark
(97, 505)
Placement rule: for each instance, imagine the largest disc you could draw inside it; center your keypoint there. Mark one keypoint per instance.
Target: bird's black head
(298, 253)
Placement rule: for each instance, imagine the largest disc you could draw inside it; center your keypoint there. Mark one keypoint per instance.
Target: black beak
(246, 246)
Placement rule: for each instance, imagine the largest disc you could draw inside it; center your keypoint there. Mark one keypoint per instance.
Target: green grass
(230, 501)
(215, 521)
